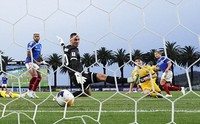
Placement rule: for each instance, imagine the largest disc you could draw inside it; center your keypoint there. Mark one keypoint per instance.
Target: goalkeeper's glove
(60, 40)
(79, 78)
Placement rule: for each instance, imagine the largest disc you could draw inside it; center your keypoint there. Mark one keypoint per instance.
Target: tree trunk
(55, 81)
(191, 75)
(122, 74)
(173, 77)
(104, 71)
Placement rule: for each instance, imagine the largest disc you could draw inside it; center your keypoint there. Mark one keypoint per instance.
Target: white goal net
(131, 25)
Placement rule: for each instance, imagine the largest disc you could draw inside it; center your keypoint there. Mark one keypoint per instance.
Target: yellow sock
(14, 95)
(153, 94)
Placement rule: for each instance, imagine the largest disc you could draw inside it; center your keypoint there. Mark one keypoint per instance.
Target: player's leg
(138, 87)
(110, 79)
(14, 95)
(3, 94)
(86, 85)
(2, 87)
(147, 88)
(158, 90)
(33, 74)
(36, 83)
(164, 84)
(32, 70)
(88, 91)
(156, 87)
(148, 91)
(6, 87)
(176, 88)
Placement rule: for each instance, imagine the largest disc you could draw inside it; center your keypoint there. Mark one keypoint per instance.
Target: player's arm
(135, 76)
(130, 88)
(65, 59)
(169, 65)
(148, 77)
(29, 54)
(154, 75)
(61, 41)
(42, 61)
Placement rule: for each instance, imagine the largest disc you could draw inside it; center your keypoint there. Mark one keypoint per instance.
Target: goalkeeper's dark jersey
(74, 59)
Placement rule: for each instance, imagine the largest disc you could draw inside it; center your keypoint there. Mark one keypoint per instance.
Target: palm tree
(104, 57)
(149, 57)
(136, 53)
(173, 51)
(5, 60)
(55, 61)
(88, 60)
(188, 56)
(120, 57)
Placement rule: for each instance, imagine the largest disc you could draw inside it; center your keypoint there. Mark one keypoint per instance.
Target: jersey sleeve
(29, 45)
(153, 67)
(151, 70)
(133, 72)
(166, 60)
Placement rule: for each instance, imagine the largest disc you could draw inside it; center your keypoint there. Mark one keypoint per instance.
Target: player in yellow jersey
(146, 78)
(9, 94)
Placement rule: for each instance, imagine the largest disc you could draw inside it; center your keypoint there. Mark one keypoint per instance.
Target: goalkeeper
(144, 79)
(71, 60)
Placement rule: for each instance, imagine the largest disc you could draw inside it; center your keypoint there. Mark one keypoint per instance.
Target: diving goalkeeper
(75, 68)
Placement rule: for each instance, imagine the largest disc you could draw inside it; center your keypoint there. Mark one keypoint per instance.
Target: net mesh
(126, 23)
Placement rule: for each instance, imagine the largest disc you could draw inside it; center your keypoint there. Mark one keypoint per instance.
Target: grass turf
(116, 108)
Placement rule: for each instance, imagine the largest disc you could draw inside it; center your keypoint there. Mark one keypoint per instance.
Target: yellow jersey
(144, 72)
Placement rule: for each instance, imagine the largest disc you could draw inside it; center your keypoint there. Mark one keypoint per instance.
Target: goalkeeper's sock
(32, 82)
(111, 80)
(36, 83)
(165, 87)
(175, 88)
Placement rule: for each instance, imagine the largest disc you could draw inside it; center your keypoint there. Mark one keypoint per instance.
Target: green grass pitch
(118, 109)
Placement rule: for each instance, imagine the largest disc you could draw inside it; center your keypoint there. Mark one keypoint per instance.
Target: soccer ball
(64, 97)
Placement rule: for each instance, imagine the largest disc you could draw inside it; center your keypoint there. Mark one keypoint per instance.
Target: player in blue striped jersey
(33, 61)
(164, 64)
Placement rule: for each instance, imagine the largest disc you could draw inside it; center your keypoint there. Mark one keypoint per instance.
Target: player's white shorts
(32, 65)
(3, 85)
(168, 77)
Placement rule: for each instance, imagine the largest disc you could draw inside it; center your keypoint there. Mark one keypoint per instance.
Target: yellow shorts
(148, 86)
